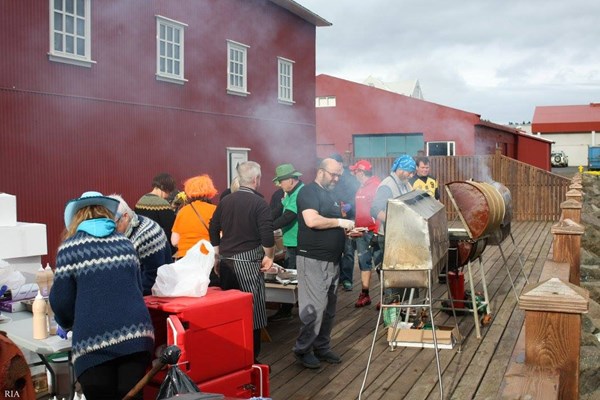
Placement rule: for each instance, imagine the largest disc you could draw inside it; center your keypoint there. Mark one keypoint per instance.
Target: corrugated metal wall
(66, 129)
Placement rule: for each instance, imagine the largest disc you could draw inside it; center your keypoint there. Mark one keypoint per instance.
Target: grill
(485, 210)
(416, 238)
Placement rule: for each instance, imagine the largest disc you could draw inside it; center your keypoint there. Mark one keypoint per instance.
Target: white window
(441, 148)
(70, 32)
(325, 101)
(237, 76)
(169, 50)
(285, 71)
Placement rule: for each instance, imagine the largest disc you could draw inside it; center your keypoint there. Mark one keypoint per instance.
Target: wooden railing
(545, 361)
(536, 194)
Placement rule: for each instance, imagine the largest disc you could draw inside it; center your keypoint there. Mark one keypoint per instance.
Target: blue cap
(405, 163)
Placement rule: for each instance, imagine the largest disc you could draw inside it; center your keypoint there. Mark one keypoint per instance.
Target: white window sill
(170, 79)
(237, 92)
(70, 60)
(286, 102)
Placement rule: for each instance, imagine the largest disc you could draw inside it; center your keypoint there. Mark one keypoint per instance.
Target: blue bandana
(405, 163)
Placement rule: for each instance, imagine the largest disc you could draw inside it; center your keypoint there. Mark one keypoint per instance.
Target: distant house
(102, 95)
(365, 121)
(571, 128)
(411, 88)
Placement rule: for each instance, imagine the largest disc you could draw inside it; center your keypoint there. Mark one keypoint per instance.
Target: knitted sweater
(153, 250)
(159, 210)
(97, 293)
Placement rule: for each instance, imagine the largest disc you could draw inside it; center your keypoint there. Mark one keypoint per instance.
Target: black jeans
(115, 378)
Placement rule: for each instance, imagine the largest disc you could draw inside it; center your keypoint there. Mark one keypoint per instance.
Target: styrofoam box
(23, 240)
(8, 209)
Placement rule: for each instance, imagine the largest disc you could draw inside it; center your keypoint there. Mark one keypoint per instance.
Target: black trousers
(115, 378)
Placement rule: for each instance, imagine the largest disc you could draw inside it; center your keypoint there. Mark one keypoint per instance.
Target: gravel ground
(589, 384)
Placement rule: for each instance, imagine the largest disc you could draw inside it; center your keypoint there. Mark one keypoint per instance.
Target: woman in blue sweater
(97, 294)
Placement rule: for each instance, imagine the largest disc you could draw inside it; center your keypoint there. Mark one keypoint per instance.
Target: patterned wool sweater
(157, 209)
(153, 250)
(97, 293)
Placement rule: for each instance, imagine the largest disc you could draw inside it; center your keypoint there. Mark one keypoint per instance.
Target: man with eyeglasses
(321, 235)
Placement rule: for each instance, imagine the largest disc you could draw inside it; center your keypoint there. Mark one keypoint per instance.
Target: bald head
(329, 173)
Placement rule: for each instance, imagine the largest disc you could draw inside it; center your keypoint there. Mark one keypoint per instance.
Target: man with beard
(321, 236)
(394, 185)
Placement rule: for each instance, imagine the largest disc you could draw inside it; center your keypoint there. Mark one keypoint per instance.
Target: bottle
(49, 278)
(40, 321)
(42, 282)
(52, 325)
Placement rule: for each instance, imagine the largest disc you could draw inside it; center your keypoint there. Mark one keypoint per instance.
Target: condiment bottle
(52, 325)
(42, 281)
(49, 278)
(40, 321)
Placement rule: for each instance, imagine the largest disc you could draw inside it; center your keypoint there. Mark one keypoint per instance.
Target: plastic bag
(188, 276)
(176, 382)
(9, 277)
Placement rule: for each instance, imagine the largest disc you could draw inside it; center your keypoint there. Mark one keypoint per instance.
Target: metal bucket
(480, 206)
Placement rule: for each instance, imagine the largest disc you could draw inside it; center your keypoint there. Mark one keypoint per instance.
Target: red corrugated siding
(362, 109)
(67, 129)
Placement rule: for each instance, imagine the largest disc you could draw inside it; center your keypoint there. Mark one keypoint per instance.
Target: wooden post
(576, 186)
(553, 311)
(575, 195)
(567, 246)
(571, 209)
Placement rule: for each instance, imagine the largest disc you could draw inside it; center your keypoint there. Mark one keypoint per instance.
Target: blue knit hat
(405, 163)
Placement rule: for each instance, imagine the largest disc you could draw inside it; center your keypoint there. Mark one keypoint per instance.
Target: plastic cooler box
(214, 333)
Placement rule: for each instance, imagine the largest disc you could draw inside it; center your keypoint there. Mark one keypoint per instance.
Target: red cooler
(214, 334)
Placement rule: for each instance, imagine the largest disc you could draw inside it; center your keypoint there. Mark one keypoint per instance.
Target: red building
(364, 121)
(102, 95)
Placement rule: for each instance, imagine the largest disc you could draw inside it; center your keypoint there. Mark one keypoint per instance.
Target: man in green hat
(288, 179)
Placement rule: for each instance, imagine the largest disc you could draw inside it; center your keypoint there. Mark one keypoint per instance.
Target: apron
(246, 266)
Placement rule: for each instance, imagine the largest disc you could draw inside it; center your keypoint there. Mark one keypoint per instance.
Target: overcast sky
(496, 58)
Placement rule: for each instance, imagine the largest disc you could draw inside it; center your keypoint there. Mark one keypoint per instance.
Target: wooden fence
(536, 194)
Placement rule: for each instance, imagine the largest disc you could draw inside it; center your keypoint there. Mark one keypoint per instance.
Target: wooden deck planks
(411, 373)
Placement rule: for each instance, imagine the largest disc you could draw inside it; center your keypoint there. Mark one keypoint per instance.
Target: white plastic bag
(9, 277)
(188, 276)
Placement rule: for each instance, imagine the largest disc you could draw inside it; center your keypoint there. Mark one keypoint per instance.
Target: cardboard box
(446, 335)
(8, 210)
(23, 240)
(12, 306)
(405, 335)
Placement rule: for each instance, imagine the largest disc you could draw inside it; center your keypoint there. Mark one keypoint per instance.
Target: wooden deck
(475, 372)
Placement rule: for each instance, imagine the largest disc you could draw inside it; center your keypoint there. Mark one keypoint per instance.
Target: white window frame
(450, 147)
(78, 33)
(176, 27)
(325, 101)
(285, 82)
(237, 81)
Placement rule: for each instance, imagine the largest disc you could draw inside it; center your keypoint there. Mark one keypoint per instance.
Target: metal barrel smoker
(416, 246)
(485, 210)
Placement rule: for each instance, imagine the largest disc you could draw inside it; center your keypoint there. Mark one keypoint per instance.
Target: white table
(20, 330)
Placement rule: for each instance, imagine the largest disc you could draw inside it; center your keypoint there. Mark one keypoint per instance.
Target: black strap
(199, 216)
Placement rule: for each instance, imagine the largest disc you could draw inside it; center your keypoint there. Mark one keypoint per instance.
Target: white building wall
(575, 145)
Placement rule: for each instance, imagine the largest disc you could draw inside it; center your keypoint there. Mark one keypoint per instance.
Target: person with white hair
(241, 231)
(147, 237)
